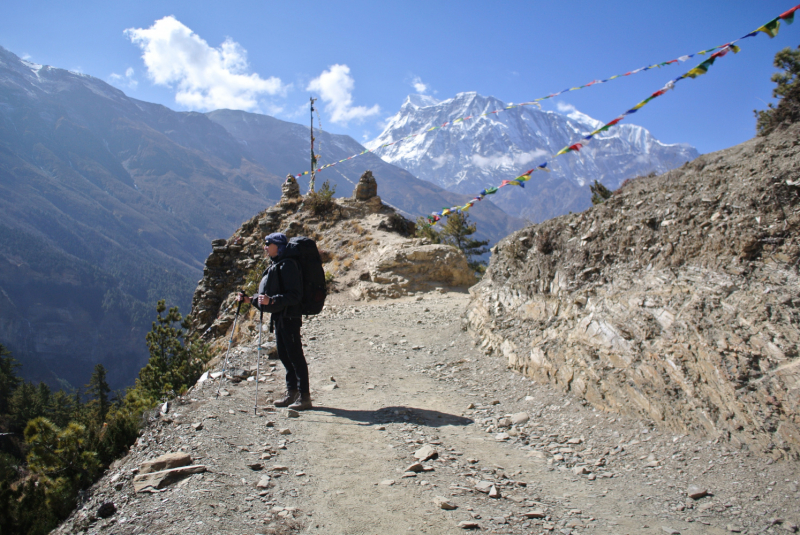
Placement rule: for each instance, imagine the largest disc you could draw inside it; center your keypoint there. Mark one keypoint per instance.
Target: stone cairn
(367, 187)
(290, 190)
(366, 191)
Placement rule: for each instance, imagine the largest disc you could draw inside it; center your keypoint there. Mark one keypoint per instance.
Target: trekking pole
(258, 361)
(233, 331)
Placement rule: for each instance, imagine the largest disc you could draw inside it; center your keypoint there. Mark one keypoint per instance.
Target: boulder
(165, 462)
(163, 478)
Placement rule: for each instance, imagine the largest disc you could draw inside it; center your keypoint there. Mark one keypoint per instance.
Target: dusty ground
(406, 375)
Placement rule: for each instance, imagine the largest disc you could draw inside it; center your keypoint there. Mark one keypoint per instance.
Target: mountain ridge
(483, 151)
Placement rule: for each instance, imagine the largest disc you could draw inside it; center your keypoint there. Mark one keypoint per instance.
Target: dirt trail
(406, 376)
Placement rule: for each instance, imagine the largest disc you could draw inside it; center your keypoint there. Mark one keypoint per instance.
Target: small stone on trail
(466, 524)
(416, 467)
(484, 486)
(494, 493)
(263, 482)
(444, 503)
(426, 452)
(330, 387)
(502, 436)
(734, 529)
(696, 493)
(519, 418)
(224, 393)
(380, 428)
(197, 426)
(536, 513)
(270, 423)
(671, 531)
(292, 413)
(580, 470)
(496, 402)
(255, 466)
(471, 406)
(387, 482)
(285, 432)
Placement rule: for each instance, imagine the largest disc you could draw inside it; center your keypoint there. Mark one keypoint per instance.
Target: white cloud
(565, 108)
(419, 87)
(506, 160)
(440, 161)
(204, 77)
(335, 88)
(127, 80)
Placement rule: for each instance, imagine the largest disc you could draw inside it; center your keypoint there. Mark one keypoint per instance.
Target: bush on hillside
(599, 192)
(787, 91)
(321, 202)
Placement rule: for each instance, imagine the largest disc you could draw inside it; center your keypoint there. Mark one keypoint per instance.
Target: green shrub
(599, 192)
(321, 202)
(787, 90)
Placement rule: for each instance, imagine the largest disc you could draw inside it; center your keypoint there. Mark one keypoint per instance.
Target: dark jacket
(286, 288)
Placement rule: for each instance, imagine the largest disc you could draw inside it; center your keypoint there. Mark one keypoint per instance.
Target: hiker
(280, 293)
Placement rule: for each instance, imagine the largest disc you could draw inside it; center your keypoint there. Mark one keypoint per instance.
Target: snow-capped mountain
(484, 151)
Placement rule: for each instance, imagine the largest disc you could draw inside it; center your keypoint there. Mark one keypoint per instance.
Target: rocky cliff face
(366, 248)
(676, 300)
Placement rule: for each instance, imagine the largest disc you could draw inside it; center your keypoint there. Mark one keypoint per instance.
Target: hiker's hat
(279, 239)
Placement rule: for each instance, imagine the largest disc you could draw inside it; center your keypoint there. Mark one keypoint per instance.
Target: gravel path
(392, 377)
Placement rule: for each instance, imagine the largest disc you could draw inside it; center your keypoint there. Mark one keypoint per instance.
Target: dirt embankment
(677, 299)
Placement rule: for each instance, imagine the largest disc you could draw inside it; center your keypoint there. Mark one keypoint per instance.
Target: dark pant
(290, 351)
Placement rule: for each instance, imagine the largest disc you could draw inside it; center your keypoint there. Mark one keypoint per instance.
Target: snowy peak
(420, 101)
(487, 148)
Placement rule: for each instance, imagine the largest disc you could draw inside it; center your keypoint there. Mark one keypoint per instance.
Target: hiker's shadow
(392, 415)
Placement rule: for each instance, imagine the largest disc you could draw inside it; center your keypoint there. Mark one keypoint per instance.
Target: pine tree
(99, 389)
(8, 378)
(61, 408)
(60, 458)
(23, 406)
(176, 359)
(599, 192)
(787, 91)
(425, 230)
(457, 232)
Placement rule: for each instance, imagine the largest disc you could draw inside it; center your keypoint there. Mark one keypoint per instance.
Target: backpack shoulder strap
(278, 269)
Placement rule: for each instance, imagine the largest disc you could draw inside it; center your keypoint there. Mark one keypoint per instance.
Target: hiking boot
(303, 402)
(290, 397)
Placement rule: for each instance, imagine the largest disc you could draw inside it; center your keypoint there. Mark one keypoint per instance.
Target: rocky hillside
(677, 300)
(366, 248)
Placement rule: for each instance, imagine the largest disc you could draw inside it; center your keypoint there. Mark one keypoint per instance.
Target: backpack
(304, 251)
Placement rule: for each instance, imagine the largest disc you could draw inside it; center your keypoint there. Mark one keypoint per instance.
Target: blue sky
(363, 58)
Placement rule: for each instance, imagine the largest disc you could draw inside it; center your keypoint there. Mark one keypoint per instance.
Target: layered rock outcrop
(676, 300)
(365, 244)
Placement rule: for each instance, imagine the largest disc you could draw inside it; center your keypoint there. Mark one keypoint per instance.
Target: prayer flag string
(770, 28)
